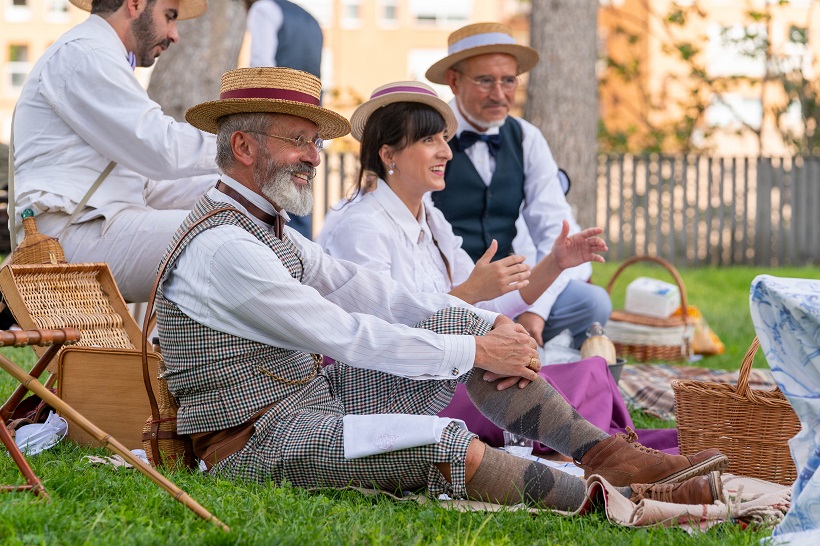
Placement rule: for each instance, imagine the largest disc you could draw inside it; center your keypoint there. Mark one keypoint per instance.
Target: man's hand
(578, 249)
(490, 280)
(507, 351)
(534, 325)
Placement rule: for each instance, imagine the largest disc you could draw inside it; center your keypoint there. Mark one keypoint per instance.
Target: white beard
(274, 181)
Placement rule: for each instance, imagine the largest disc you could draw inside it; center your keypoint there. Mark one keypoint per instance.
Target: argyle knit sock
(506, 479)
(538, 412)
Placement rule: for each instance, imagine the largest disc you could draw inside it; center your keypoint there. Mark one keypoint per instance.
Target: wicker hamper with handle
(646, 338)
(752, 427)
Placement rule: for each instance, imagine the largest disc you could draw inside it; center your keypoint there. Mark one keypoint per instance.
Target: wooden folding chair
(107, 356)
(54, 340)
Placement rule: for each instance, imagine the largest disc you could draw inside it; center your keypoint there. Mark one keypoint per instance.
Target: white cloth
(380, 232)
(229, 281)
(264, 20)
(786, 316)
(544, 207)
(379, 433)
(80, 108)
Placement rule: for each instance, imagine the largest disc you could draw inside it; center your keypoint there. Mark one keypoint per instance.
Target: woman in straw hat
(393, 228)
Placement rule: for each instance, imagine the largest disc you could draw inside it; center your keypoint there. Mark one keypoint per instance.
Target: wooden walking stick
(104, 438)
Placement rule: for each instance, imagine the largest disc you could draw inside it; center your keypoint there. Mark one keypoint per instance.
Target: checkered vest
(219, 379)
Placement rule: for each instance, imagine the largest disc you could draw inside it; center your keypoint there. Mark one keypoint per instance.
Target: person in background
(101, 166)
(285, 34)
(501, 168)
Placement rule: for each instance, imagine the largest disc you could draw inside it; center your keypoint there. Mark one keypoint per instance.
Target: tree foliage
(674, 119)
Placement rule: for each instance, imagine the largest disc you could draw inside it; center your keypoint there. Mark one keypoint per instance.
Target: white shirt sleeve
(263, 24)
(229, 281)
(126, 126)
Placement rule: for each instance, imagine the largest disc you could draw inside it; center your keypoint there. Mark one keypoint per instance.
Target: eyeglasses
(299, 142)
(488, 83)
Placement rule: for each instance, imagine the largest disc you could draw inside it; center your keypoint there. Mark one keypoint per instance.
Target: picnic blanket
(648, 387)
(748, 501)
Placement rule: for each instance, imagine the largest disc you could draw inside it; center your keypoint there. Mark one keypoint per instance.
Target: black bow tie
(468, 138)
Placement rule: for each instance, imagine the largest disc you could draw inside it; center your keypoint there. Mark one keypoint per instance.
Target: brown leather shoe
(698, 490)
(621, 461)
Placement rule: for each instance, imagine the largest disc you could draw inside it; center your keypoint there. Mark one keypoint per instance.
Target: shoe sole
(717, 463)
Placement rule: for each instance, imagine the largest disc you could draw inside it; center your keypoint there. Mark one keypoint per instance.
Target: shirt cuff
(459, 356)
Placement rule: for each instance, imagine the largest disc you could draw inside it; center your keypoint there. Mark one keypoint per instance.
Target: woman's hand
(490, 280)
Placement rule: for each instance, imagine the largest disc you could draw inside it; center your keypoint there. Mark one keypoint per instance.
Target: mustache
(301, 168)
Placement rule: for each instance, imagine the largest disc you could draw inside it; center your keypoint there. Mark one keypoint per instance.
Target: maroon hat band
(269, 93)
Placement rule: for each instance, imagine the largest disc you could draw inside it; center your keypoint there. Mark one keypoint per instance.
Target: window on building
(419, 60)
(436, 12)
(351, 13)
(389, 12)
(734, 111)
(56, 11)
(18, 11)
(18, 66)
(736, 50)
(796, 54)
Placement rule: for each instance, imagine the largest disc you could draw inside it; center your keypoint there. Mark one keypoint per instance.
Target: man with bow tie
(502, 167)
(101, 166)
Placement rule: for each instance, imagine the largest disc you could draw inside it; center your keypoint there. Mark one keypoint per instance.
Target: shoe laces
(658, 492)
(632, 438)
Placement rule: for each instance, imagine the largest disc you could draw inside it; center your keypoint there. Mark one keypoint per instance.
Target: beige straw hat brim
(359, 118)
(188, 9)
(272, 90)
(481, 39)
(205, 116)
(526, 57)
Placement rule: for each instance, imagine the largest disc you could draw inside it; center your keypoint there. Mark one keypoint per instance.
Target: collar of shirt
(105, 28)
(251, 196)
(398, 211)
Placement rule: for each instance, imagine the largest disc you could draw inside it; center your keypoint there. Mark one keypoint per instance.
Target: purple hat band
(269, 93)
(402, 89)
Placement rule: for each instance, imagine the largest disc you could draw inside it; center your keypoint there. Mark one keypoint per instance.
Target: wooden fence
(697, 210)
(691, 210)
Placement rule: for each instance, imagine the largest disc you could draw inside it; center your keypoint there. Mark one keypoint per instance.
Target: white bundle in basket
(628, 333)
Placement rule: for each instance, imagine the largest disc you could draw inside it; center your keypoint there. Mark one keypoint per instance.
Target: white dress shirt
(264, 20)
(229, 281)
(544, 207)
(380, 232)
(82, 107)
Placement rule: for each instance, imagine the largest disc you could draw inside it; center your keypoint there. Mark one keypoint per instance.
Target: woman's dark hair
(399, 125)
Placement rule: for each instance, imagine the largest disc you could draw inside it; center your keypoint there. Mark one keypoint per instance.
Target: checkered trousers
(301, 440)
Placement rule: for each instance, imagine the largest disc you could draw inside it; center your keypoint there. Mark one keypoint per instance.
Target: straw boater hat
(480, 39)
(401, 92)
(188, 9)
(274, 90)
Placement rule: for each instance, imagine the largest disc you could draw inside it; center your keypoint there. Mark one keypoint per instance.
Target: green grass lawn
(100, 505)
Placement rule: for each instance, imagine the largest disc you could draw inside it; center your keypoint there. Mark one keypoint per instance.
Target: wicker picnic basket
(752, 427)
(646, 338)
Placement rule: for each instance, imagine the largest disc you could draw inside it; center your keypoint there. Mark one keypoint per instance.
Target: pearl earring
(392, 166)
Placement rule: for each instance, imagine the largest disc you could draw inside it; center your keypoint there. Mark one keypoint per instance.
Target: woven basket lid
(36, 247)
